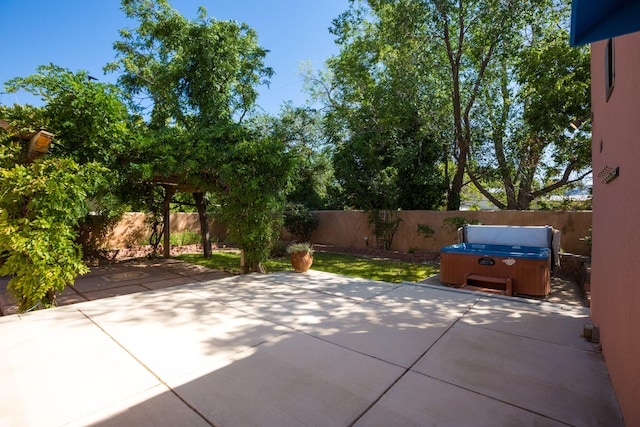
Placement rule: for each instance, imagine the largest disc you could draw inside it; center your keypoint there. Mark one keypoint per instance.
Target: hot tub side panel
(528, 276)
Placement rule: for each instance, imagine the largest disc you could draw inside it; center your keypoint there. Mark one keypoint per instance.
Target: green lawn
(348, 265)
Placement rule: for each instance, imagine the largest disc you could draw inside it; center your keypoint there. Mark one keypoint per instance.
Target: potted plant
(301, 256)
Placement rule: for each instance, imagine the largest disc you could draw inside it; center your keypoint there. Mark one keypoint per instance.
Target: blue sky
(79, 35)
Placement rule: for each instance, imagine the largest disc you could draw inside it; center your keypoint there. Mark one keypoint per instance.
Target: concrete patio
(313, 349)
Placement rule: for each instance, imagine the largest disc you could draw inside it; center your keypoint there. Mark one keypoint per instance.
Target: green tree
(191, 74)
(386, 155)
(198, 80)
(91, 124)
(464, 75)
(301, 129)
(300, 221)
(526, 149)
(468, 37)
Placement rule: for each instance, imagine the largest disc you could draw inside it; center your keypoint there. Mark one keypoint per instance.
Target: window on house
(609, 68)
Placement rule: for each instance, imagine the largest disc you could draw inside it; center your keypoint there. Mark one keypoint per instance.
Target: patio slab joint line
(523, 408)
(594, 349)
(407, 370)
(175, 393)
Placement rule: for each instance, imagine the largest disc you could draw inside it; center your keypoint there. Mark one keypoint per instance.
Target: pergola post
(169, 191)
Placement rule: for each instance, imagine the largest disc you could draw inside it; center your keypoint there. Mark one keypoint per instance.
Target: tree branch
(562, 182)
(484, 191)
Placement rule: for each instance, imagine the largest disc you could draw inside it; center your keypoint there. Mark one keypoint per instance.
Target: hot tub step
(489, 284)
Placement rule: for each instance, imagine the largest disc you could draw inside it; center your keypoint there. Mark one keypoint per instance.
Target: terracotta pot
(301, 261)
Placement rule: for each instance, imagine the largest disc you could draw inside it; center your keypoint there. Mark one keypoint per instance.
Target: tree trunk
(201, 203)
(453, 198)
(52, 298)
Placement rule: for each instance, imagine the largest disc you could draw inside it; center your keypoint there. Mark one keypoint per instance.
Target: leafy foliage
(255, 174)
(300, 221)
(40, 206)
(386, 156)
(44, 205)
(190, 73)
(91, 124)
(526, 149)
(301, 129)
(198, 79)
(427, 93)
(88, 118)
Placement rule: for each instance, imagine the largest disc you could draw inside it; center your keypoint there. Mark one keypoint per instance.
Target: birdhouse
(39, 145)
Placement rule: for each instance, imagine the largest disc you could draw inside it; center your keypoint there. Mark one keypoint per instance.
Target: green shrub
(425, 231)
(40, 206)
(256, 174)
(185, 238)
(300, 221)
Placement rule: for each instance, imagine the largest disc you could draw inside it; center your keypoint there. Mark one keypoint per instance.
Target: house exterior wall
(615, 269)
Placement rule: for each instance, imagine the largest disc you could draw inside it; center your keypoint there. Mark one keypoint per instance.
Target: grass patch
(347, 265)
(185, 238)
(223, 261)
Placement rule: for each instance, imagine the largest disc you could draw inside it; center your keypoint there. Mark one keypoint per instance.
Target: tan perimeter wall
(133, 229)
(348, 229)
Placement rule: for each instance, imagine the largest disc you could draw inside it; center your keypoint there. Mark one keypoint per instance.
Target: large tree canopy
(486, 87)
(197, 80)
(301, 129)
(524, 146)
(189, 73)
(386, 155)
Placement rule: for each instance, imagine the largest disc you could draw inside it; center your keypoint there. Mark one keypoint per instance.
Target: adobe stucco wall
(348, 229)
(615, 270)
(133, 230)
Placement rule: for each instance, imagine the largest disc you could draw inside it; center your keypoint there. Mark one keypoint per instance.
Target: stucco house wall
(615, 268)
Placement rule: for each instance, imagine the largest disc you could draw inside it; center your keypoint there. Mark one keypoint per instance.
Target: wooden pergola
(172, 185)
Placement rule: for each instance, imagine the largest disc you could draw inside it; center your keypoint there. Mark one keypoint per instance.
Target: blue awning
(595, 20)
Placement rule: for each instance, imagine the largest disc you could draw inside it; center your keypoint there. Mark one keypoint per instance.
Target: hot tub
(521, 269)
